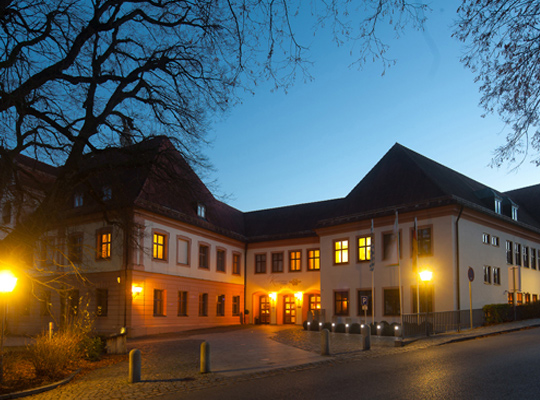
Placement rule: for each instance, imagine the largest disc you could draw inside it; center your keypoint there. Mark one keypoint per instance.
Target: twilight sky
(321, 138)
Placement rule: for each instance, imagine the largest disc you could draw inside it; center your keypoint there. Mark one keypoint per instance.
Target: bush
(340, 328)
(497, 313)
(92, 348)
(355, 328)
(52, 357)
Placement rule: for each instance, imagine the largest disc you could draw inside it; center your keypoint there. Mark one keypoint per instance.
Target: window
(485, 238)
(159, 302)
(390, 249)
(391, 301)
(365, 293)
(104, 244)
(102, 302)
(46, 303)
(78, 200)
(525, 256)
(341, 251)
(6, 213)
(236, 305)
(496, 276)
(341, 302)
(364, 248)
(182, 251)
(487, 274)
(424, 242)
(182, 304)
(220, 307)
(514, 212)
(520, 299)
(535, 298)
(260, 263)
(201, 210)
(159, 246)
(220, 260)
(203, 256)
(495, 241)
(509, 254)
(106, 193)
(203, 305)
(517, 248)
(533, 258)
(277, 262)
(510, 298)
(314, 260)
(314, 302)
(295, 261)
(527, 298)
(425, 292)
(498, 205)
(75, 247)
(236, 264)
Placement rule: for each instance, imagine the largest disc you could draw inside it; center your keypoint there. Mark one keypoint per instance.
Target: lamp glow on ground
(7, 284)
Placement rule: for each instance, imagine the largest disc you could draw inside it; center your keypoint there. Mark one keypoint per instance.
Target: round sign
(470, 274)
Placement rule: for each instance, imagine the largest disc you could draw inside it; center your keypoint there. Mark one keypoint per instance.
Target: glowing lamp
(298, 296)
(7, 281)
(273, 296)
(425, 276)
(136, 290)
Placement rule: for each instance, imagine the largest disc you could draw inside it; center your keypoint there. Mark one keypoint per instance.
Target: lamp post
(7, 284)
(425, 276)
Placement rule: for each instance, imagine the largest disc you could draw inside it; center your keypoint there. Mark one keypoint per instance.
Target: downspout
(457, 269)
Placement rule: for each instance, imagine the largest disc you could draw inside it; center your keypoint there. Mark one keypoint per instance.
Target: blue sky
(321, 138)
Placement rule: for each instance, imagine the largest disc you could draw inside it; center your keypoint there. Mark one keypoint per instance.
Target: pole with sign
(365, 300)
(470, 274)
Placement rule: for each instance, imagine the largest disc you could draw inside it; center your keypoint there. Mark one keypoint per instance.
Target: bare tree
(504, 52)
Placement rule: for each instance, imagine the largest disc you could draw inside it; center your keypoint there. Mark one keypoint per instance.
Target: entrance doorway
(264, 309)
(289, 309)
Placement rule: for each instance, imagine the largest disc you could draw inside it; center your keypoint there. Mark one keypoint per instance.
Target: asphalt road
(505, 366)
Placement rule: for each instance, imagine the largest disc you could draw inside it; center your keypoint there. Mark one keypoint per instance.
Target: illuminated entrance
(264, 309)
(289, 309)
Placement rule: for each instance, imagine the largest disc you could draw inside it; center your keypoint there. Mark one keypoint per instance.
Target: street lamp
(425, 276)
(7, 284)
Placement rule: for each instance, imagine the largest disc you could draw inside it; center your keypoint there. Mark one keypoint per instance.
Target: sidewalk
(170, 363)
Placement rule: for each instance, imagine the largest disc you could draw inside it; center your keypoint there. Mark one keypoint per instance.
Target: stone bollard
(366, 337)
(134, 366)
(325, 345)
(205, 357)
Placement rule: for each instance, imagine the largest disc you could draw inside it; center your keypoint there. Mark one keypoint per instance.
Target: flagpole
(372, 267)
(399, 275)
(415, 269)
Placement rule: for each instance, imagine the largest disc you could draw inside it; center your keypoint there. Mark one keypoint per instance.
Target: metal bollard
(205, 357)
(51, 328)
(325, 345)
(134, 366)
(366, 337)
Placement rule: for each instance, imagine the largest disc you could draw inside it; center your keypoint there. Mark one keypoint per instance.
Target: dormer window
(77, 200)
(107, 193)
(514, 213)
(498, 205)
(201, 210)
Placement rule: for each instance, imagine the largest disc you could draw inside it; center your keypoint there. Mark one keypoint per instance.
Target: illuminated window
(295, 261)
(78, 200)
(314, 260)
(341, 251)
(534, 298)
(201, 210)
(159, 246)
(510, 298)
(498, 205)
(236, 305)
(364, 248)
(159, 302)
(391, 301)
(487, 274)
(341, 302)
(527, 298)
(203, 256)
(236, 264)
(314, 302)
(520, 299)
(485, 238)
(75, 247)
(104, 244)
(509, 254)
(514, 213)
(277, 262)
(496, 276)
(182, 304)
(203, 305)
(365, 293)
(102, 302)
(220, 306)
(260, 263)
(220, 260)
(517, 250)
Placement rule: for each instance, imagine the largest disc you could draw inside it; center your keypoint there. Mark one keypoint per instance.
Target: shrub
(52, 357)
(340, 328)
(355, 328)
(92, 348)
(497, 313)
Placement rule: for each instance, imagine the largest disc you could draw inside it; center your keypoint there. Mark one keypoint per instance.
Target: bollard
(205, 357)
(325, 345)
(51, 328)
(134, 366)
(366, 337)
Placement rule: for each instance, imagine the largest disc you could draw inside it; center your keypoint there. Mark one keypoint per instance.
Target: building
(162, 257)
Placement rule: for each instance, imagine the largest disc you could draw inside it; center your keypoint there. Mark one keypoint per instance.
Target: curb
(37, 390)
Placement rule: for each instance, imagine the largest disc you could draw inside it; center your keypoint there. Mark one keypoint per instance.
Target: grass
(20, 374)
